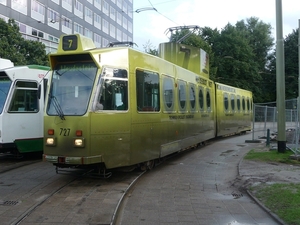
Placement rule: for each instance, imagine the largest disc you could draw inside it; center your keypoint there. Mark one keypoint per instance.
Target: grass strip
(281, 199)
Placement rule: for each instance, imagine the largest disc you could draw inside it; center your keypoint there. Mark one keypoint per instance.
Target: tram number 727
(64, 132)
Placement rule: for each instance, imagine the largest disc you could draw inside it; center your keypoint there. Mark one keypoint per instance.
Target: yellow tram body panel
(234, 110)
(137, 107)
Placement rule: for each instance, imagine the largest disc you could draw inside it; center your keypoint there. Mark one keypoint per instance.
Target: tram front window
(5, 83)
(71, 88)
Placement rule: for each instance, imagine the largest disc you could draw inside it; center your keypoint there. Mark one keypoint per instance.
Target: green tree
(148, 48)
(291, 43)
(291, 63)
(239, 56)
(20, 51)
(34, 52)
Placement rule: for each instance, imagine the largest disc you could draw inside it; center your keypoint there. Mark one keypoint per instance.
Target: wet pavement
(202, 186)
(198, 187)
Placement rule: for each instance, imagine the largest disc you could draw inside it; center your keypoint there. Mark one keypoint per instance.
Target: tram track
(8, 162)
(70, 193)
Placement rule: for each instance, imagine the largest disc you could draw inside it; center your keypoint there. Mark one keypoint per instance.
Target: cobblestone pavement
(197, 187)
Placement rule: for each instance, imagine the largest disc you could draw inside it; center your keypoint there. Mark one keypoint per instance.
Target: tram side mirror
(39, 92)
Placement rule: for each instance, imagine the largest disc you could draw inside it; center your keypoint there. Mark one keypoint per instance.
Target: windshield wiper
(57, 107)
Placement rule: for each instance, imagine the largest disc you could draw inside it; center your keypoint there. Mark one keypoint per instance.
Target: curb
(273, 215)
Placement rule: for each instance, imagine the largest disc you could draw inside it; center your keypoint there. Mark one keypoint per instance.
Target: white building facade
(104, 21)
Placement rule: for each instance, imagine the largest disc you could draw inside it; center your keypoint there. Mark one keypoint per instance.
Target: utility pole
(280, 80)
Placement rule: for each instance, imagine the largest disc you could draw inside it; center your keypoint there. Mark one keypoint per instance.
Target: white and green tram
(22, 92)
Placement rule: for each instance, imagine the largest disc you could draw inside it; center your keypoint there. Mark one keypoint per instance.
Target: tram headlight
(50, 141)
(79, 142)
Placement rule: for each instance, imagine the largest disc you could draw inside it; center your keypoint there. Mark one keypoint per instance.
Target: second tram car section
(234, 110)
(116, 107)
(22, 91)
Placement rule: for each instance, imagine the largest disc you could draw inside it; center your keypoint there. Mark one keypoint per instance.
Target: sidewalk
(198, 187)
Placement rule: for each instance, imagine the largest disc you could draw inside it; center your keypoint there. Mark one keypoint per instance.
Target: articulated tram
(22, 95)
(116, 106)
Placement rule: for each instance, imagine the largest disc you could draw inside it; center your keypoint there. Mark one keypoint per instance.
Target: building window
(88, 13)
(78, 6)
(105, 42)
(124, 23)
(119, 3)
(112, 13)
(119, 18)
(105, 8)
(88, 33)
(66, 22)
(119, 35)
(97, 18)
(130, 12)
(125, 38)
(78, 28)
(97, 40)
(53, 16)
(105, 26)
(98, 2)
(112, 31)
(124, 7)
(129, 27)
(22, 28)
(34, 32)
(68, 1)
(38, 7)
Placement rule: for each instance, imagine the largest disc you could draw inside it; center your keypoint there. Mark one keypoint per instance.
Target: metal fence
(265, 118)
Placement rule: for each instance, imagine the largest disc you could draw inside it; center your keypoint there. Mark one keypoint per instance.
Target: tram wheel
(147, 165)
(150, 164)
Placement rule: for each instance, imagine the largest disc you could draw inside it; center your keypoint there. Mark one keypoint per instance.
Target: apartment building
(104, 21)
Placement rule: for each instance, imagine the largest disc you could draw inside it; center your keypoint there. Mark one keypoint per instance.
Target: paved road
(198, 187)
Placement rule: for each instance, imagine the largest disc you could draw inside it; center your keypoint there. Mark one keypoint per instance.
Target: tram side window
(182, 95)
(201, 98)
(226, 102)
(248, 104)
(192, 96)
(114, 90)
(25, 97)
(208, 101)
(232, 97)
(5, 83)
(147, 91)
(243, 104)
(168, 92)
(238, 102)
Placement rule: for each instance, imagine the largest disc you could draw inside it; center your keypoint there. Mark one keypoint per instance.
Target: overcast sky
(151, 25)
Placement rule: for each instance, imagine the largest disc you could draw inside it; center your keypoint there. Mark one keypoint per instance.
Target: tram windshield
(71, 88)
(5, 84)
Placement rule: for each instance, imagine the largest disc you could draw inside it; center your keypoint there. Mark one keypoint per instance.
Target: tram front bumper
(69, 160)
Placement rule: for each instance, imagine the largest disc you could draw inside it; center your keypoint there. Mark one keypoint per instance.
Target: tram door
(25, 112)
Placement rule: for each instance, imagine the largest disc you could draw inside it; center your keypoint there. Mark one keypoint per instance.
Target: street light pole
(280, 84)
(298, 102)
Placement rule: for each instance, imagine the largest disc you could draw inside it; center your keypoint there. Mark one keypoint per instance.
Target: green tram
(116, 106)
